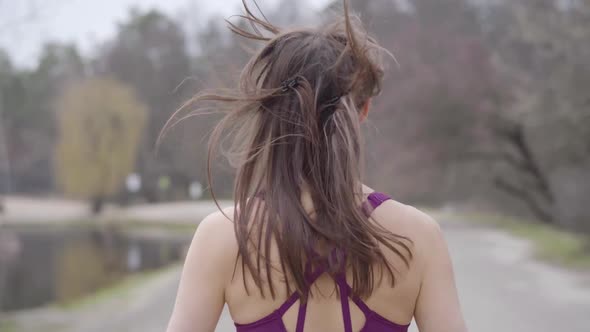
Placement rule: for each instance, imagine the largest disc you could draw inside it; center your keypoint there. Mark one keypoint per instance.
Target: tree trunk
(97, 205)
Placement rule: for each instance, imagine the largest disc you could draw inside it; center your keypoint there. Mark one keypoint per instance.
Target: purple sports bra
(373, 321)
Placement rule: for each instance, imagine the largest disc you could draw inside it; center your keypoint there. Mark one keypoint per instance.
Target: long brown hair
(294, 119)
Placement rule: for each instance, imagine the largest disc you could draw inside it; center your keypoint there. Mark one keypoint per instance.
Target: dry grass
(551, 244)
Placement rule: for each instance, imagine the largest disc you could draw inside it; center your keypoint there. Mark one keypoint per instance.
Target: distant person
(307, 246)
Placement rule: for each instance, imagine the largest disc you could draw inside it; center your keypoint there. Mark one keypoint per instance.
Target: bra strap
(377, 198)
(287, 304)
(373, 201)
(344, 294)
(359, 303)
(301, 317)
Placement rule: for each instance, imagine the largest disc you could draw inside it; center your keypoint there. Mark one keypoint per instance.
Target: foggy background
(485, 123)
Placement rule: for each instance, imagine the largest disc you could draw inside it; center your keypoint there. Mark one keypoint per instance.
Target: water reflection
(41, 265)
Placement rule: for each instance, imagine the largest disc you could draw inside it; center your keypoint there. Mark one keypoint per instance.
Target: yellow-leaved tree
(101, 123)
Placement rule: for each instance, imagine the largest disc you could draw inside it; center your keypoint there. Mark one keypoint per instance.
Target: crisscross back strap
(311, 277)
(301, 317)
(373, 201)
(287, 304)
(359, 303)
(344, 294)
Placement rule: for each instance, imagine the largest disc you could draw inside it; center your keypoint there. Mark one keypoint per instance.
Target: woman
(307, 246)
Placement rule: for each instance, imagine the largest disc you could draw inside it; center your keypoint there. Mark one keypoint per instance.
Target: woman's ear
(365, 111)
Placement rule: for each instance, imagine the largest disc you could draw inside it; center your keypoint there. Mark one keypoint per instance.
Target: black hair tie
(289, 84)
(331, 107)
(333, 101)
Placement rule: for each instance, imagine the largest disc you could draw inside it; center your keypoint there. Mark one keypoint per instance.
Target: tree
(433, 105)
(100, 122)
(28, 130)
(5, 73)
(543, 151)
(150, 54)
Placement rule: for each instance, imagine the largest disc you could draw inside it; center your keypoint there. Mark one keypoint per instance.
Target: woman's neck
(307, 202)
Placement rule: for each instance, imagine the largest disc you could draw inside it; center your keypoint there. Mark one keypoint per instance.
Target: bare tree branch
(541, 211)
(514, 136)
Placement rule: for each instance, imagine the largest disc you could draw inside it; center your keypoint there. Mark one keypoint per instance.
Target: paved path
(503, 289)
(25, 210)
(20, 209)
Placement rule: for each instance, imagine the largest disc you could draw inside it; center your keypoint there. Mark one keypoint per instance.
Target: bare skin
(425, 291)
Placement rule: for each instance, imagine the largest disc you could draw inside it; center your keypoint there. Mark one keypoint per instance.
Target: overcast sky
(89, 22)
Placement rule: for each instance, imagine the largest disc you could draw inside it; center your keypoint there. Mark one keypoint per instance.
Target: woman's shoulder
(217, 226)
(219, 219)
(396, 216)
(409, 221)
(399, 212)
(215, 233)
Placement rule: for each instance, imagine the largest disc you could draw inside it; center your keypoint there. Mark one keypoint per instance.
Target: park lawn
(7, 325)
(119, 289)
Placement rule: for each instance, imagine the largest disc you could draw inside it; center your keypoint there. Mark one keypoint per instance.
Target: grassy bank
(98, 306)
(7, 325)
(120, 289)
(551, 244)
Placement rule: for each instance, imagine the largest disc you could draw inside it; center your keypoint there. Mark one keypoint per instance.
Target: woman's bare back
(425, 290)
